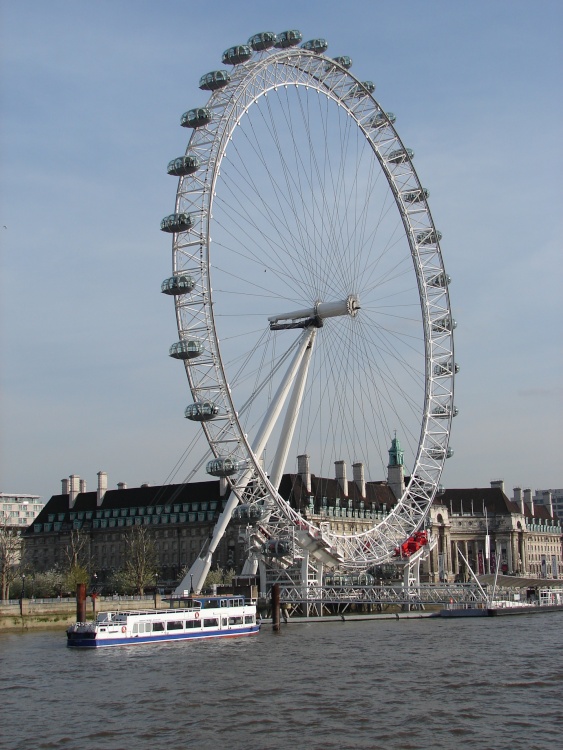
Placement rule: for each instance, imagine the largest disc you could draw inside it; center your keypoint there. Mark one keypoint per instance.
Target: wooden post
(80, 602)
(276, 607)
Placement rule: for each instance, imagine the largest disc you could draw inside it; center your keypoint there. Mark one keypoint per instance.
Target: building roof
(475, 500)
(294, 490)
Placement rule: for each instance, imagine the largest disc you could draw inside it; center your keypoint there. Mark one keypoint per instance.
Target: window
(192, 624)
(158, 627)
(175, 625)
(248, 619)
(211, 623)
(235, 620)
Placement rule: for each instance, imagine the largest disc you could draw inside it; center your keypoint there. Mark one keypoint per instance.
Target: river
(484, 683)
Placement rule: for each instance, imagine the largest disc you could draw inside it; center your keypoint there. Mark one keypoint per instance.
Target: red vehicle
(412, 545)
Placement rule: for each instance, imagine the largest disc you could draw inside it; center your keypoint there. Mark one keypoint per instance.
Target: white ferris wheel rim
(192, 251)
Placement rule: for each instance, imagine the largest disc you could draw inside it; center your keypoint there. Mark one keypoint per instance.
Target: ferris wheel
(311, 297)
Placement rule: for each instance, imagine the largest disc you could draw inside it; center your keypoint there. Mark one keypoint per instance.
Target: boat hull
(84, 640)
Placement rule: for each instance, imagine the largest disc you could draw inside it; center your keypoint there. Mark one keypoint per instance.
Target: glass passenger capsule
(188, 349)
(201, 411)
(362, 89)
(196, 118)
(247, 512)
(416, 196)
(276, 548)
(217, 79)
(344, 61)
(444, 324)
(439, 453)
(442, 412)
(428, 237)
(288, 39)
(237, 55)
(315, 45)
(183, 165)
(222, 467)
(440, 280)
(179, 284)
(400, 155)
(263, 40)
(176, 223)
(381, 119)
(445, 368)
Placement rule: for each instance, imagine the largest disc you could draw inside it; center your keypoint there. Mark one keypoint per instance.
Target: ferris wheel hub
(319, 312)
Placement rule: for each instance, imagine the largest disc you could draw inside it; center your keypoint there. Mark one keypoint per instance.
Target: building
(18, 510)
(551, 499)
(483, 529)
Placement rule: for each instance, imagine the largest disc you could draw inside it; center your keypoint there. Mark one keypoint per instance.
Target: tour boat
(186, 619)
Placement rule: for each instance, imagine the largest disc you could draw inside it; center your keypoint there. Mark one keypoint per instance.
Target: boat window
(225, 622)
(145, 627)
(235, 620)
(248, 619)
(158, 626)
(211, 623)
(135, 628)
(175, 625)
(192, 624)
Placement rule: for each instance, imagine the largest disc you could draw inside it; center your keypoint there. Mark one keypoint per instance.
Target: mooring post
(276, 606)
(80, 602)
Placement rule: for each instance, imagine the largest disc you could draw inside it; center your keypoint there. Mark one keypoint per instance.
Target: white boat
(186, 619)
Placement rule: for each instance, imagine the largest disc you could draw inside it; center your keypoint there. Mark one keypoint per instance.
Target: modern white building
(19, 510)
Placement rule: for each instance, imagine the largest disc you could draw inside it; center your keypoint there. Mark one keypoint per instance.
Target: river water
(485, 683)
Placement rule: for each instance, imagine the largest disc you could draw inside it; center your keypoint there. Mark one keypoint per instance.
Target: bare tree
(10, 550)
(141, 559)
(78, 559)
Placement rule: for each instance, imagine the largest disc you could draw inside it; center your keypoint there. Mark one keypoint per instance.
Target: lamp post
(191, 584)
(155, 590)
(23, 586)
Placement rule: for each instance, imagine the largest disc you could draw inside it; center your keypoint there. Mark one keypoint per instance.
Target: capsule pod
(439, 453)
(315, 45)
(440, 280)
(344, 61)
(263, 40)
(247, 512)
(442, 412)
(183, 165)
(446, 368)
(201, 411)
(415, 196)
(188, 349)
(237, 55)
(196, 118)
(428, 237)
(362, 89)
(400, 155)
(176, 223)
(217, 79)
(444, 324)
(381, 119)
(288, 39)
(222, 467)
(276, 548)
(179, 284)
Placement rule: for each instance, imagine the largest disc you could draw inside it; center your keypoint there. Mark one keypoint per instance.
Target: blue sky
(91, 95)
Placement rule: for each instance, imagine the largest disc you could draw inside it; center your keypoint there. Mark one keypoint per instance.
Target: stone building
(488, 529)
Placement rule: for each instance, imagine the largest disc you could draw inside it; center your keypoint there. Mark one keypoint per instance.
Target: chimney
(65, 488)
(82, 485)
(529, 502)
(548, 501)
(497, 484)
(304, 471)
(74, 486)
(359, 480)
(102, 487)
(340, 467)
(518, 499)
(121, 485)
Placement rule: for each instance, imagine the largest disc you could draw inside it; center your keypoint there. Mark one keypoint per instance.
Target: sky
(91, 95)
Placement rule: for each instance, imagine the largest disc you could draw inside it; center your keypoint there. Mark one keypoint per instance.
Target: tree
(141, 559)
(78, 560)
(10, 550)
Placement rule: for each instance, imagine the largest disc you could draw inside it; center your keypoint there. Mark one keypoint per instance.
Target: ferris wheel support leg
(290, 420)
(278, 401)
